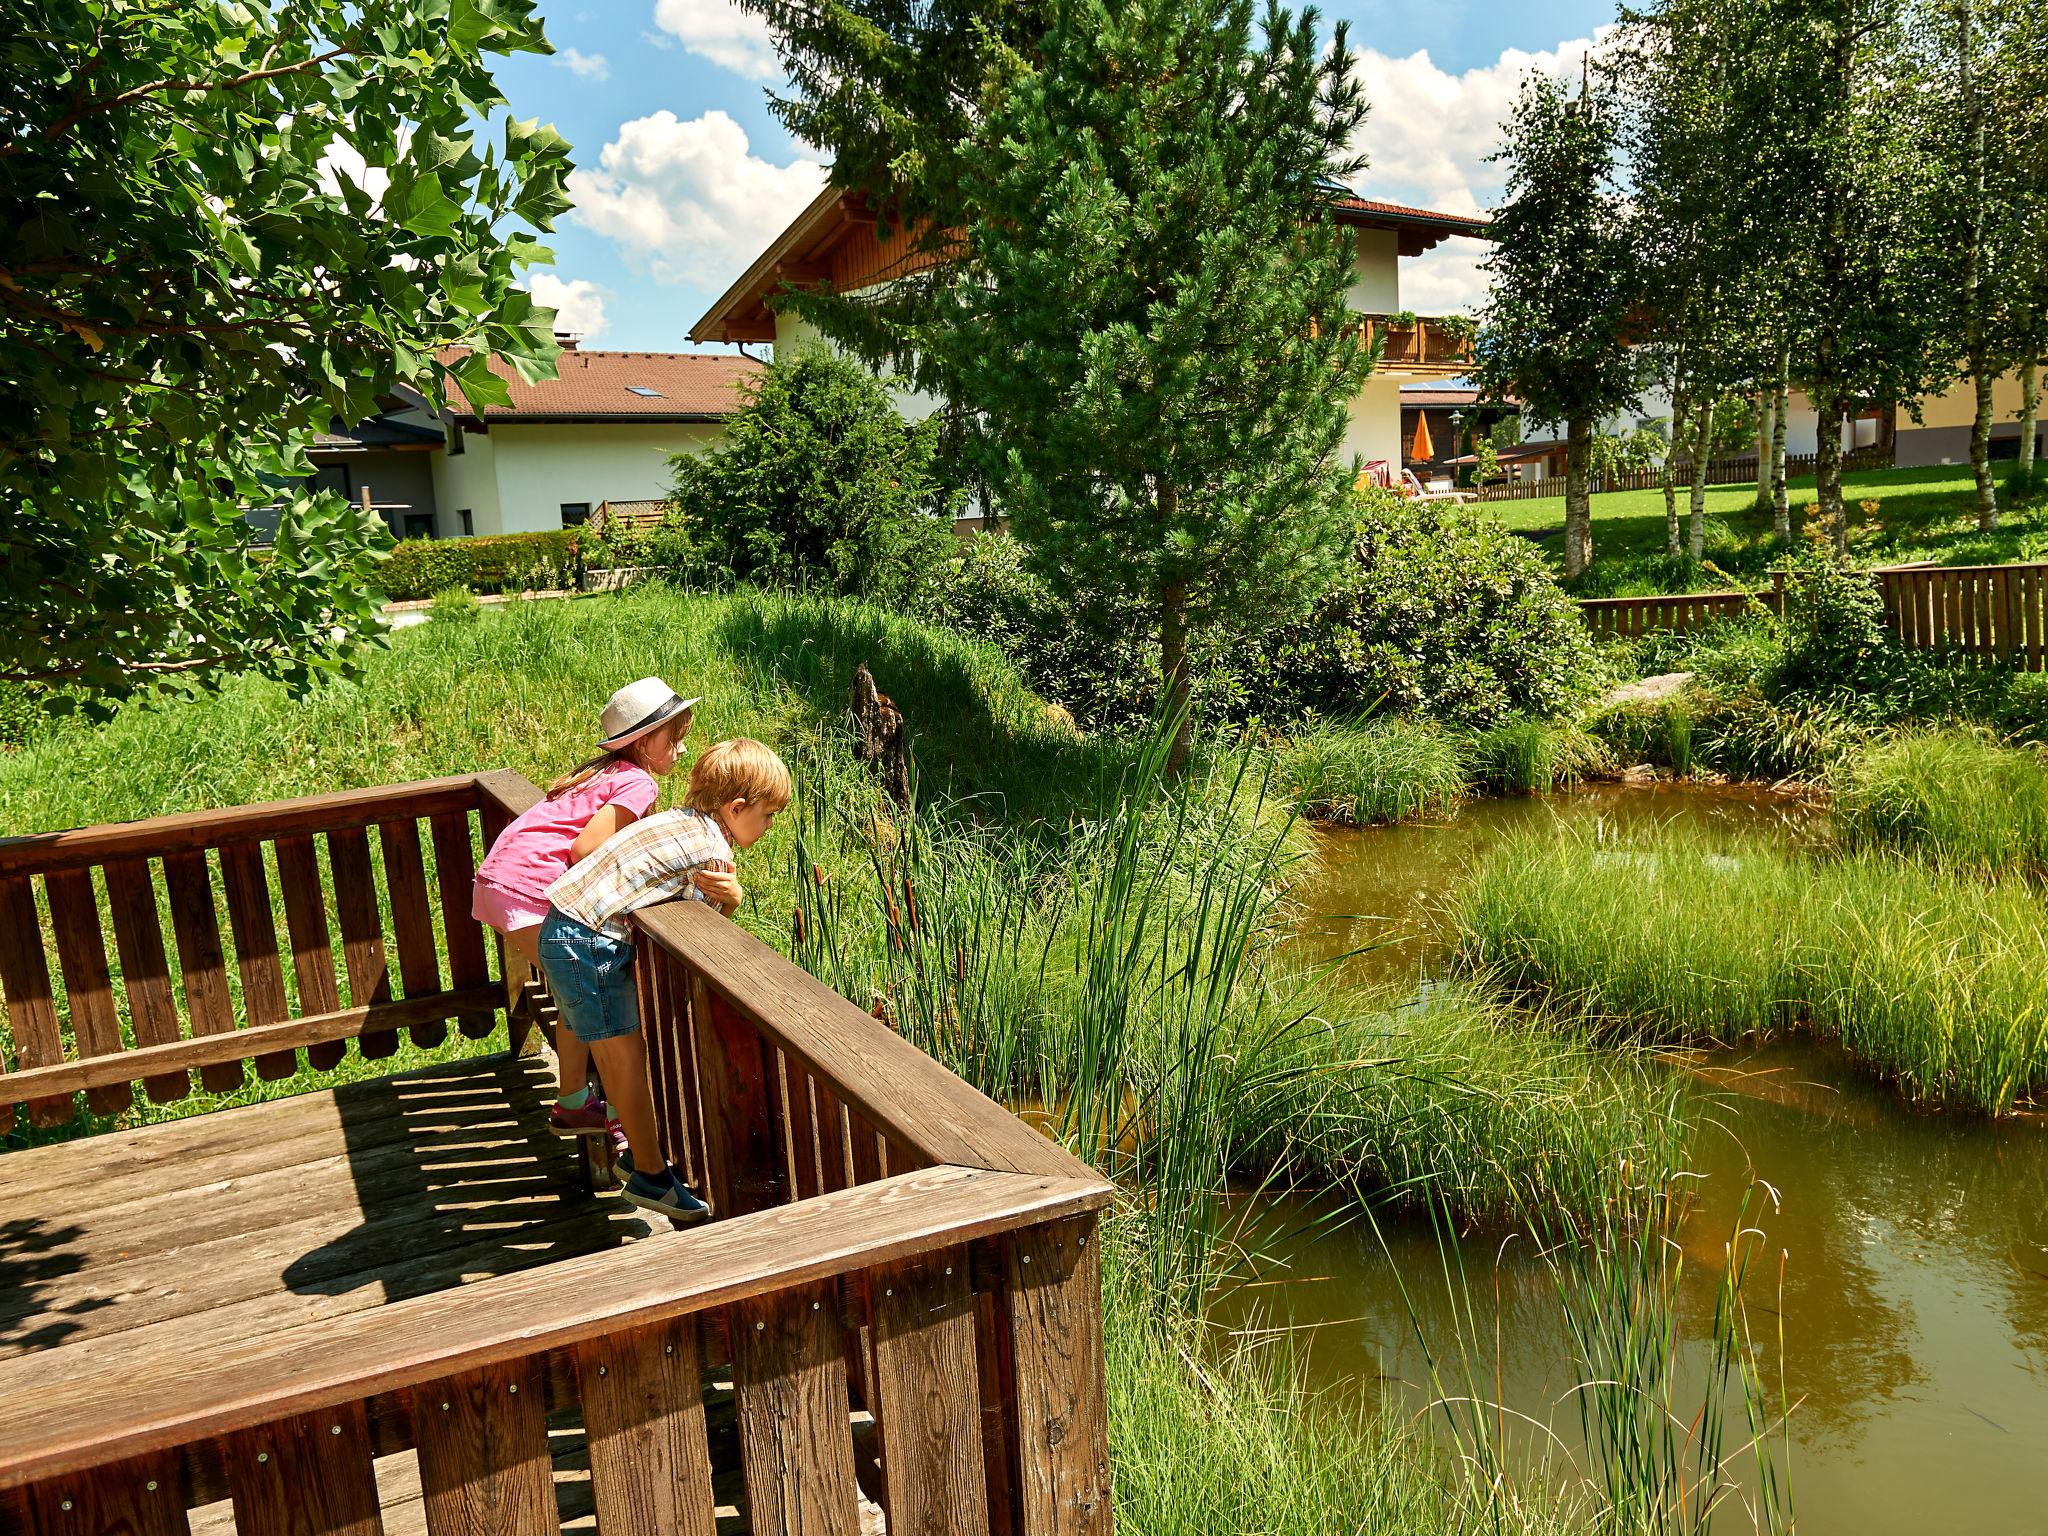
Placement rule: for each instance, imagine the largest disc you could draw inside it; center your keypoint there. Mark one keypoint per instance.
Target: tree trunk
(1680, 409)
(1974, 350)
(1173, 649)
(1703, 445)
(1766, 414)
(1827, 475)
(1980, 455)
(2030, 409)
(1781, 504)
(1578, 501)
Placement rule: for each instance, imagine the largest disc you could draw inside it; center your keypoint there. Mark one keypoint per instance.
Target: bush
(456, 605)
(513, 562)
(1440, 613)
(663, 545)
(819, 483)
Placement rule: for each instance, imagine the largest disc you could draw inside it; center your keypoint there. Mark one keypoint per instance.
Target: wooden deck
(394, 1306)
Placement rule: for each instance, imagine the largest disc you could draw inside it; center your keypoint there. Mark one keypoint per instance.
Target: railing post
(742, 1171)
(1053, 1286)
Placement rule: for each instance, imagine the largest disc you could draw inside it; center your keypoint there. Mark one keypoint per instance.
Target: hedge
(513, 562)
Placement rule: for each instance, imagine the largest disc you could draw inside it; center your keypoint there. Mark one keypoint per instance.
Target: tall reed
(1365, 772)
(1935, 980)
(1954, 796)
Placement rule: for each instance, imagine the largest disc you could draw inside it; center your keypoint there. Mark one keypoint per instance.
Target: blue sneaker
(665, 1194)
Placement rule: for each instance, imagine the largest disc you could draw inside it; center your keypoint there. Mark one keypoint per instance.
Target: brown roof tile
(608, 386)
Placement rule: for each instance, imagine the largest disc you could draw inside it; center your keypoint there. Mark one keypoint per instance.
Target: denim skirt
(591, 977)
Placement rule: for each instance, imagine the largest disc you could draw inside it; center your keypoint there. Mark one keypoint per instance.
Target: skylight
(642, 389)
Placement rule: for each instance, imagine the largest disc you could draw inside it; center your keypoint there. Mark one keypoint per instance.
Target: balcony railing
(1427, 343)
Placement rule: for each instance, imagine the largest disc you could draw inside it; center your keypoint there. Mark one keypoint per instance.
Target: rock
(1651, 690)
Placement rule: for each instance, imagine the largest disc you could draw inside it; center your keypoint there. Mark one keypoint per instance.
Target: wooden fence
(1993, 613)
(1719, 472)
(902, 1285)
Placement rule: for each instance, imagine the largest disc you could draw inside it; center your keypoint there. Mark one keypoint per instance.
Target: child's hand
(720, 886)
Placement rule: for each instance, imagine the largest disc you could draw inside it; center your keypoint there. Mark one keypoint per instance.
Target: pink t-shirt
(533, 853)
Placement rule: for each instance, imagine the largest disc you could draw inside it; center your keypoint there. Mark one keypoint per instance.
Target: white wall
(1374, 429)
(467, 479)
(1376, 273)
(794, 335)
(541, 465)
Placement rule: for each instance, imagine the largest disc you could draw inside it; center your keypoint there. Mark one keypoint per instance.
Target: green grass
(1936, 981)
(1373, 771)
(1953, 796)
(1919, 514)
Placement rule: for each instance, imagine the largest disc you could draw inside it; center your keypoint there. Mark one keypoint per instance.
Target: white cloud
(1429, 136)
(587, 66)
(690, 199)
(723, 33)
(578, 303)
(344, 162)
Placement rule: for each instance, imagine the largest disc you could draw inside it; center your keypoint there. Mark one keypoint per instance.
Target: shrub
(513, 562)
(663, 545)
(818, 482)
(1440, 613)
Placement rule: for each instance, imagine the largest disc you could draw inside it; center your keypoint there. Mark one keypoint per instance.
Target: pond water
(1914, 1300)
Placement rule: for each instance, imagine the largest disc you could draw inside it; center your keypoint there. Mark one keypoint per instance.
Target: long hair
(591, 767)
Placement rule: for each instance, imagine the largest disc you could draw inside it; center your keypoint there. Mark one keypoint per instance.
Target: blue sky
(684, 175)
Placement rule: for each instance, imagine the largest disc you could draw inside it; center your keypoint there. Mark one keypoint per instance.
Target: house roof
(376, 432)
(618, 386)
(834, 241)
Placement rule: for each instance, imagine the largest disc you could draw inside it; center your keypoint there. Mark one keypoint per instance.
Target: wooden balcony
(1427, 349)
(393, 1305)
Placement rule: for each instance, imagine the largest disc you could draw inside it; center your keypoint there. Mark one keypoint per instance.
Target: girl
(641, 734)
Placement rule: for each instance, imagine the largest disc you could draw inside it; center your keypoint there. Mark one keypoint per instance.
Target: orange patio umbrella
(1422, 450)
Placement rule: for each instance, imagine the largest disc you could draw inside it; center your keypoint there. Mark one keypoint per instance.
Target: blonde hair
(591, 767)
(740, 769)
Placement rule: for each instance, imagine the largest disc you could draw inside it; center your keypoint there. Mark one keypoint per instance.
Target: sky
(683, 174)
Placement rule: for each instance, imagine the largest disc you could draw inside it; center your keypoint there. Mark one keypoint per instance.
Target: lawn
(1895, 515)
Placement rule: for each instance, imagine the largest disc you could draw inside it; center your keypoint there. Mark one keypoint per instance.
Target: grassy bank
(1937, 981)
(1362, 773)
(1955, 797)
(1911, 514)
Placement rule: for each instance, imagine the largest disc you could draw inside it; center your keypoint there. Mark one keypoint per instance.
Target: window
(643, 391)
(419, 525)
(468, 525)
(455, 442)
(575, 513)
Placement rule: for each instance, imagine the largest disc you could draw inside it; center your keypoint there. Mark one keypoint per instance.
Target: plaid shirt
(650, 861)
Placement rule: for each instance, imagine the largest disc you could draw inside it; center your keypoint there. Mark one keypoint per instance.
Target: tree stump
(879, 737)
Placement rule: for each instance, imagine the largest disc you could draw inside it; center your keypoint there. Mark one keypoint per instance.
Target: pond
(1914, 1298)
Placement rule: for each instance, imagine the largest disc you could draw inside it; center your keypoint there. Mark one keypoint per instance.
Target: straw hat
(636, 709)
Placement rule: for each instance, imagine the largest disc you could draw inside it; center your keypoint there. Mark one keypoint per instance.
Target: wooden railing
(901, 1286)
(1719, 472)
(1426, 343)
(1995, 613)
(261, 867)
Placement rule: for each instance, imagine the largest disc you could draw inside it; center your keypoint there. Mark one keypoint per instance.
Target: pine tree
(1148, 329)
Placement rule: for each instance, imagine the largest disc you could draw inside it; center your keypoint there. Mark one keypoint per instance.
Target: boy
(586, 945)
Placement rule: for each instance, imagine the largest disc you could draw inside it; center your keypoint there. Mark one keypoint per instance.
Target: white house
(834, 242)
(603, 430)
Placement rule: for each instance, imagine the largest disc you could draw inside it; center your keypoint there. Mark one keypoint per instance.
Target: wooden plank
(310, 1475)
(88, 984)
(739, 1136)
(202, 1050)
(142, 1497)
(2008, 615)
(31, 1010)
(483, 1441)
(124, 1402)
(789, 1387)
(501, 796)
(867, 1148)
(997, 1402)
(145, 970)
(927, 1395)
(1053, 1284)
(455, 877)
(362, 932)
(803, 1129)
(405, 879)
(643, 1421)
(305, 918)
(255, 930)
(2032, 605)
(868, 1066)
(833, 1156)
(192, 831)
(201, 960)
